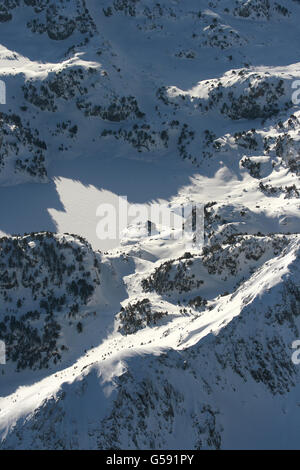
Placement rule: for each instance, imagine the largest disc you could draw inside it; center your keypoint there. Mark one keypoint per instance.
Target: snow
(217, 375)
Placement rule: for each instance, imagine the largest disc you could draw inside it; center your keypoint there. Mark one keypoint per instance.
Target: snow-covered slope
(147, 343)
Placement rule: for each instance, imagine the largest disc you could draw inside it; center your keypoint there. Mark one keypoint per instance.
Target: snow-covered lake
(69, 202)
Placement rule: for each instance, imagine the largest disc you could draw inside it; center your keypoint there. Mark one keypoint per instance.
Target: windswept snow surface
(143, 342)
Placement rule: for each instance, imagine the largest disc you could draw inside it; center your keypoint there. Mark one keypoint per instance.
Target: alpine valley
(145, 344)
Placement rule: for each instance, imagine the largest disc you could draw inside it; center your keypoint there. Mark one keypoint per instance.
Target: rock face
(161, 343)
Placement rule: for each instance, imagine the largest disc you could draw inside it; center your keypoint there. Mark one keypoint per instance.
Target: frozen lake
(68, 203)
